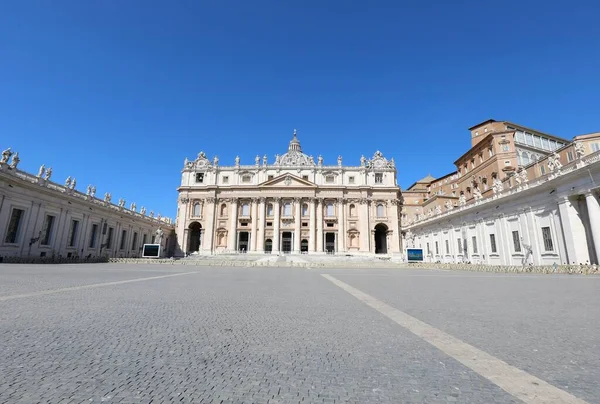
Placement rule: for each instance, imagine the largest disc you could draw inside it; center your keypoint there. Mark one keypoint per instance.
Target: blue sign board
(414, 254)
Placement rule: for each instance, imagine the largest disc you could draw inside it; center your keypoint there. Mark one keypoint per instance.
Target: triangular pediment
(287, 181)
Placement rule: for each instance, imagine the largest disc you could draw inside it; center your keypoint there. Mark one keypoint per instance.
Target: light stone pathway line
(94, 285)
(516, 382)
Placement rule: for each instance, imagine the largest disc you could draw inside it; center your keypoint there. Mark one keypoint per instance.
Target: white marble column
(209, 207)
(319, 225)
(276, 223)
(254, 213)
(297, 224)
(363, 217)
(395, 244)
(312, 226)
(594, 214)
(341, 225)
(260, 241)
(232, 239)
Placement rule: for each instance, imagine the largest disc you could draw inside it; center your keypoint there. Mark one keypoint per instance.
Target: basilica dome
(294, 156)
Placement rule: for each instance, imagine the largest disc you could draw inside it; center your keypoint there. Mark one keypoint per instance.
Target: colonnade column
(297, 224)
(232, 239)
(363, 215)
(341, 226)
(209, 208)
(396, 231)
(254, 213)
(276, 235)
(319, 225)
(594, 214)
(260, 242)
(312, 224)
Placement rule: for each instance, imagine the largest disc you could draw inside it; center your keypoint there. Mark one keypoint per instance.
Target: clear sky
(118, 93)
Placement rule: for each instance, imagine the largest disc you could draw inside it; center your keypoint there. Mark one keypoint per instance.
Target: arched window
(223, 211)
(380, 210)
(330, 209)
(197, 209)
(352, 210)
(270, 210)
(304, 209)
(287, 209)
(245, 209)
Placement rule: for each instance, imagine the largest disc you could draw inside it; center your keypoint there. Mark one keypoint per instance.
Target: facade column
(341, 225)
(297, 224)
(254, 213)
(209, 207)
(182, 215)
(260, 239)
(313, 222)
(319, 225)
(396, 231)
(276, 223)
(231, 243)
(533, 239)
(594, 214)
(365, 234)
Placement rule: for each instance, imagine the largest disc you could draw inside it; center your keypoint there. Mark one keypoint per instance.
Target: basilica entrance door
(330, 243)
(381, 239)
(243, 242)
(286, 242)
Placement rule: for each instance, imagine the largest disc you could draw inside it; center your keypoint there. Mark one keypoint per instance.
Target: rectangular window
(14, 225)
(330, 212)
(304, 224)
(520, 137)
(569, 155)
(287, 209)
(545, 144)
(93, 236)
(134, 242)
(351, 180)
(269, 224)
(246, 179)
(428, 250)
(542, 169)
(305, 177)
(109, 238)
(144, 238)
(378, 178)
(270, 177)
(447, 247)
(516, 241)
(474, 240)
(47, 230)
(329, 179)
(493, 243)
(245, 209)
(437, 250)
(529, 139)
(505, 147)
(537, 141)
(225, 179)
(547, 236)
(73, 232)
(595, 147)
(123, 237)
(199, 177)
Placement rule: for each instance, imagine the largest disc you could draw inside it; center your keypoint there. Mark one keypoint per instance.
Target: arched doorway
(304, 246)
(195, 237)
(381, 239)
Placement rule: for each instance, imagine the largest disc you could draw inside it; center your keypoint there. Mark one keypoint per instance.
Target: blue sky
(118, 93)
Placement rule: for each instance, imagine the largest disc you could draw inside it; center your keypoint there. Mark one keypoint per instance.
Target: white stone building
(548, 213)
(40, 219)
(293, 205)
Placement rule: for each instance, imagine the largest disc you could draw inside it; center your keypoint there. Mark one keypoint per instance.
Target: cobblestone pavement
(268, 335)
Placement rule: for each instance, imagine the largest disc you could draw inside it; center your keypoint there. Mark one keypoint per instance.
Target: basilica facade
(292, 205)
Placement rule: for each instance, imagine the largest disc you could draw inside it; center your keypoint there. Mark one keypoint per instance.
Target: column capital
(276, 199)
(262, 199)
(211, 199)
(297, 199)
(591, 192)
